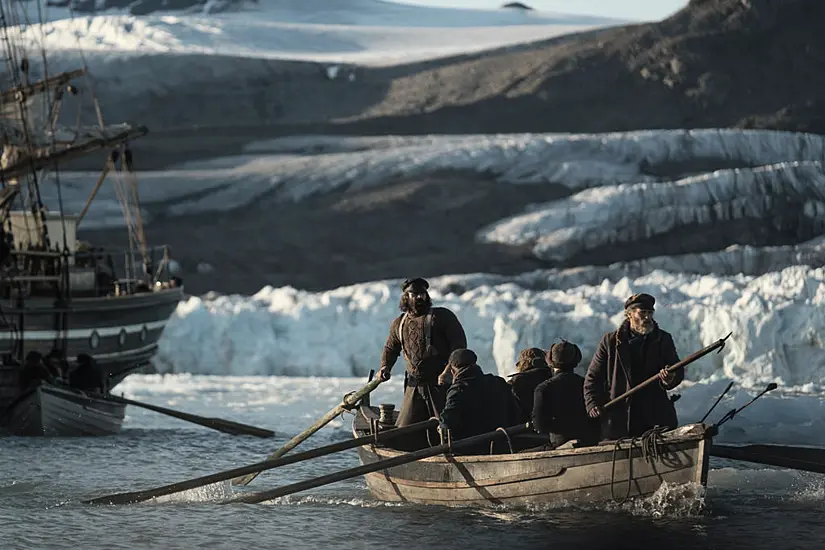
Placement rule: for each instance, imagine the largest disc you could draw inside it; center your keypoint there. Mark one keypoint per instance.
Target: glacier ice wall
(777, 320)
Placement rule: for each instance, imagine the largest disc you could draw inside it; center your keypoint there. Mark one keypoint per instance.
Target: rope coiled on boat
(649, 442)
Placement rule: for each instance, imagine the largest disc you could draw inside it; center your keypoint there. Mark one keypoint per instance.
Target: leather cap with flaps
(640, 301)
(463, 358)
(417, 282)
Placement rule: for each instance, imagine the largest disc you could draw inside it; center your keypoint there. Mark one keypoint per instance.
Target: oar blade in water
(349, 401)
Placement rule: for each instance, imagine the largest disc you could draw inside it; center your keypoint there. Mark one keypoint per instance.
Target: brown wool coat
(612, 373)
(447, 335)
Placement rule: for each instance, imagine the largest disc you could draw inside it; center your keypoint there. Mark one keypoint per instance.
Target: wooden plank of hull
(535, 478)
(126, 328)
(52, 411)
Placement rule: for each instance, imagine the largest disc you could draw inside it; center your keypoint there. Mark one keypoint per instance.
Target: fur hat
(640, 301)
(417, 282)
(564, 355)
(463, 358)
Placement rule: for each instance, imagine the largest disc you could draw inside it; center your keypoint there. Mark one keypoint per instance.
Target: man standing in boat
(637, 350)
(426, 335)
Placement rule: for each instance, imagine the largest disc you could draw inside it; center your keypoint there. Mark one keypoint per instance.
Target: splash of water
(671, 500)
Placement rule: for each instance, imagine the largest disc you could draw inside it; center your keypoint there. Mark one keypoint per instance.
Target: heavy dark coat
(88, 377)
(523, 385)
(623, 361)
(478, 403)
(33, 373)
(559, 410)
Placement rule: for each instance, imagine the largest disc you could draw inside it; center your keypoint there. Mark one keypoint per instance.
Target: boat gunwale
(699, 432)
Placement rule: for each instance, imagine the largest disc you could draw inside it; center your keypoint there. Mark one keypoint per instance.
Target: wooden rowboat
(50, 410)
(525, 477)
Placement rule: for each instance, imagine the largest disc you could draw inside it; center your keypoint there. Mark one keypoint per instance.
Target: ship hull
(120, 332)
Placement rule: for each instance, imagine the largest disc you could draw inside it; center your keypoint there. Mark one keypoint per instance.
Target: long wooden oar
(349, 401)
(225, 426)
(719, 344)
(252, 498)
(796, 458)
(148, 494)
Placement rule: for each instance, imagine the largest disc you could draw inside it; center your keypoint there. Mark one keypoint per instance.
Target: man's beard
(419, 305)
(643, 327)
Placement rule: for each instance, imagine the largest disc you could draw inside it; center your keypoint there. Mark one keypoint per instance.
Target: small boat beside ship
(58, 294)
(55, 411)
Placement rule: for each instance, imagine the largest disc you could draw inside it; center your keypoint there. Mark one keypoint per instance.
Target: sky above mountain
(644, 10)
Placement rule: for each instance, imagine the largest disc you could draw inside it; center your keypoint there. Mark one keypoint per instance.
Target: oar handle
(719, 344)
(219, 424)
(349, 402)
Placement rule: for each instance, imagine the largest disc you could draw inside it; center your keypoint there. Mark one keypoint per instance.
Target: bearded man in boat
(558, 409)
(426, 335)
(637, 350)
(476, 403)
(531, 370)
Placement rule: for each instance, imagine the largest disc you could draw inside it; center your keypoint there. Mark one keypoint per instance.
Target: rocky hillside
(729, 63)
(716, 63)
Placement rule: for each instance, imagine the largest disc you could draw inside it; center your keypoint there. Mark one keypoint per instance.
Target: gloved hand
(384, 373)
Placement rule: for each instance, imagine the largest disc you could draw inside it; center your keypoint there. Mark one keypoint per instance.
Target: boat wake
(208, 493)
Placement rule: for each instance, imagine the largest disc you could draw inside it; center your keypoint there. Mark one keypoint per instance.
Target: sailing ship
(60, 296)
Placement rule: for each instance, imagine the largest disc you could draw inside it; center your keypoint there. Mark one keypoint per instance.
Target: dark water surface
(43, 481)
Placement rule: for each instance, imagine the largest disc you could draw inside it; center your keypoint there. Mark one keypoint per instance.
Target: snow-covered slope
(777, 321)
(615, 200)
(355, 31)
(789, 193)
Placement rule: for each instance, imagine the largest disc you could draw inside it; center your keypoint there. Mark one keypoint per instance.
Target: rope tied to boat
(507, 436)
(649, 443)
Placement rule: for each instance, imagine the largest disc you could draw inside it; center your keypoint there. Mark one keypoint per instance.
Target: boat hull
(52, 411)
(557, 477)
(120, 332)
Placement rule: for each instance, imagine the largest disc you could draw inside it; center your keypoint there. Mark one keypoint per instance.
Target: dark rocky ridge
(716, 63)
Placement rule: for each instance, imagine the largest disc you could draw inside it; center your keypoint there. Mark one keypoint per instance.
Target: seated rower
(476, 403)
(531, 370)
(558, 408)
(34, 371)
(87, 376)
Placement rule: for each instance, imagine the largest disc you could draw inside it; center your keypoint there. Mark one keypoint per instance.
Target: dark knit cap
(564, 355)
(418, 282)
(463, 358)
(640, 301)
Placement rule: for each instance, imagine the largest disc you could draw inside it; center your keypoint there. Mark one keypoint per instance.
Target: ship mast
(34, 142)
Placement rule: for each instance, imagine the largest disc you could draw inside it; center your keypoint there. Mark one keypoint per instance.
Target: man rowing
(558, 409)
(637, 350)
(531, 370)
(426, 336)
(477, 403)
